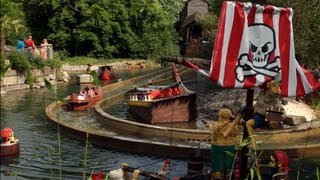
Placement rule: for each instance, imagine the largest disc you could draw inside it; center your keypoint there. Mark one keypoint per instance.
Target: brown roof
(189, 19)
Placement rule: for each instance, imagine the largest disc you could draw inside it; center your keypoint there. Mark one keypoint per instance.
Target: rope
(305, 146)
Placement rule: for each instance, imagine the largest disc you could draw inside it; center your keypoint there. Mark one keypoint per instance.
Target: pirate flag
(254, 44)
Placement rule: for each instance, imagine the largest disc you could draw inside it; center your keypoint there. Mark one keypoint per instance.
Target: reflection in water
(23, 111)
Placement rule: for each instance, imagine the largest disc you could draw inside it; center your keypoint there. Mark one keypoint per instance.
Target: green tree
(12, 21)
(106, 29)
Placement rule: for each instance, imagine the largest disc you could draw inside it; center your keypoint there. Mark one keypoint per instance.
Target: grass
(82, 60)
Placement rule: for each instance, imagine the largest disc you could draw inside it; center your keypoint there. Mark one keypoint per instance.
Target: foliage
(106, 29)
(53, 63)
(37, 63)
(12, 21)
(30, 79)
(61, 55)
(209, 25)
(172, 9)
(3, 66)
(19, 62)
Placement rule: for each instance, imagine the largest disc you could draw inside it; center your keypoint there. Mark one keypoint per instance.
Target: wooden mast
(248, 115)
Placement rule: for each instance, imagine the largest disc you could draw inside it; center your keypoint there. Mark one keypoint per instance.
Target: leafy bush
(19, 62)
(38, 63)
(53, 63)
(3, 66)
(62, 55)
(30, 79)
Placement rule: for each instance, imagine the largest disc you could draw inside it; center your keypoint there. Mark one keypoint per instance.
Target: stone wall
(14, 80)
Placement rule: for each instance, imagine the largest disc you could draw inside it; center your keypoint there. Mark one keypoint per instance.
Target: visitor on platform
(20, 45)
(30, 43)
(43, 50)
(31, 48)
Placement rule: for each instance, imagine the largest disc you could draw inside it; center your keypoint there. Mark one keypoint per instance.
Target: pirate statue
(279, 165)
(222, 142)
(268, 110)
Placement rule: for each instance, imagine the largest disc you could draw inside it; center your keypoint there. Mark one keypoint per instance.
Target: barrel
(195, 163)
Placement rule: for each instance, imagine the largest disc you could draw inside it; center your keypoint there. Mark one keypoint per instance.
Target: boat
(87, 98)
(106, 73)
(9, 144)
(163, 104)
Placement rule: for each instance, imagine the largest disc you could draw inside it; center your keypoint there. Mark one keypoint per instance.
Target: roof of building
(189, 19)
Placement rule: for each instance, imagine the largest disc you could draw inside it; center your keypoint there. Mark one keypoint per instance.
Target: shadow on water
(23, 111)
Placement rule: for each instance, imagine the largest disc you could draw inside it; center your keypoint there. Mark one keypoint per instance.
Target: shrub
(3, 66)
(30, 79)
(62, 55)
(19, 62)
(38, 63)
(53, 63)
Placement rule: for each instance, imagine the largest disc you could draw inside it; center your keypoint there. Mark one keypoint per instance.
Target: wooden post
(248, 115)
(244, 151)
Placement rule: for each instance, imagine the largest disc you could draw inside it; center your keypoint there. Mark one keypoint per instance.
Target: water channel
(23, 111)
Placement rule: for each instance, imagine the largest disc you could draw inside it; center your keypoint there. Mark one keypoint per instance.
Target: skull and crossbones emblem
(261, 44)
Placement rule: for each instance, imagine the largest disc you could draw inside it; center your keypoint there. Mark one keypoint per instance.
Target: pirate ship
(162, 104)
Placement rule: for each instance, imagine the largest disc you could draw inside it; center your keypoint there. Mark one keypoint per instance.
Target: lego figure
(222, 141)
(268, 101)
(7, 136)
(279, 164)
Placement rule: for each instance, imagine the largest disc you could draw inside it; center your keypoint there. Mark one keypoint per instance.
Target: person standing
(30, 43)
(43, 50)
(20, 45)
(31, 48)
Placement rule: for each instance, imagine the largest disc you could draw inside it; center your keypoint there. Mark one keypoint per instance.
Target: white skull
(262, 44)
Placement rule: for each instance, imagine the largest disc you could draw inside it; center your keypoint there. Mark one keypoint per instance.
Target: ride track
(137, 137)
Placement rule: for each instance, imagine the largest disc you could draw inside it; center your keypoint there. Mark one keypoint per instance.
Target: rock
(294, 120)
(308, 125)
(36, 86)
(47, 70)
(51, 77)
(39, 79)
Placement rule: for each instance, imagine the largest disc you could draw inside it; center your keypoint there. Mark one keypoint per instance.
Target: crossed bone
(271, 69)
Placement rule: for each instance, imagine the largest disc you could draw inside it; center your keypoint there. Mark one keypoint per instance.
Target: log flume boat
(9, 144)
(87, 98)
(106, 73)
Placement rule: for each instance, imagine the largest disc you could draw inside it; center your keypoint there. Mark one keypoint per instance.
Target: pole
(248, 115)
(244, 151)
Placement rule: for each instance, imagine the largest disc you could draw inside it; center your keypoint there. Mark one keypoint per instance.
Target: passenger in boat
(89, 68)
(222, 141)
(91, 92)
(7, 136)
(279, 165)
(82, 95)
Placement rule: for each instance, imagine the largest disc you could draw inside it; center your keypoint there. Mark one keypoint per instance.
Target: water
(23, 111)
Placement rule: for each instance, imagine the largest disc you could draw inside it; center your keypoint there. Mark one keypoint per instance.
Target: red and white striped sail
(254, 44)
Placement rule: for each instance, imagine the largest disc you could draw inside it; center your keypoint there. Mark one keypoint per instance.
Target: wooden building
(190, 30)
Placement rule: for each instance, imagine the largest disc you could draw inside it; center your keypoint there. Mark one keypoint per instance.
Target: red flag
(254, 44)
